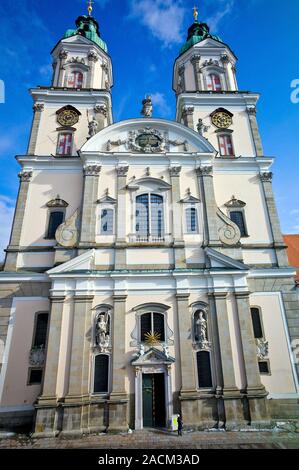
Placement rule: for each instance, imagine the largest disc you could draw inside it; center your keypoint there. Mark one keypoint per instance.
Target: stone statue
(93, 127)
(201, 336)
(147, 107)
(201, 127)
(102, 332)
(141, 350)
(166, 350)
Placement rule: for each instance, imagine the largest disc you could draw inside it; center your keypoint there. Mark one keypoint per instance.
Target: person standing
(180, 425)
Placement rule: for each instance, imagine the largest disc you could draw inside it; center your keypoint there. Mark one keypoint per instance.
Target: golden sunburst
(152, 338)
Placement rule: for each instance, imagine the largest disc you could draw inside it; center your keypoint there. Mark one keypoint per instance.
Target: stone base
(118, 416)
(235, 415)
(259, 413)
(200, 414)
(17, 421)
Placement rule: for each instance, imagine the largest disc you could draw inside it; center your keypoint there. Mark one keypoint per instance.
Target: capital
(188, 110)
(38, 107)
(175, 170)
(204, 171)
(92, 57)
(92, 170)
(25, 176)
(101, 109)
(251, 110)
(266, 177)
(122, 170)
(63, 55)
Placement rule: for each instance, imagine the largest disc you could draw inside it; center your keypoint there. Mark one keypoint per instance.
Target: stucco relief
(67, 233)
(229, 232)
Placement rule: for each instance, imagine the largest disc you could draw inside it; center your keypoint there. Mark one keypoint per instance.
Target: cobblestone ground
(161, 440)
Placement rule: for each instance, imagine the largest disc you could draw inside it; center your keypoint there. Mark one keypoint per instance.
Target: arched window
(191, 220)
(238, 218)
(65, 143)
(204, 369)
(40, 331)
(75, 79)
(226, 145)
(152, 322)
(56, 218)
(107, 221)
(149, 216)
(256, 322)
(213, 82)
(101, 373)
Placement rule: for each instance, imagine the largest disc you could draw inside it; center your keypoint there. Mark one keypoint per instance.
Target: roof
(88, 27)
(197, 33)
(292, 241)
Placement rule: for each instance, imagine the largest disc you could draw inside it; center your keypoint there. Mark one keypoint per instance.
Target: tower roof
(197, 32)
(88, 27)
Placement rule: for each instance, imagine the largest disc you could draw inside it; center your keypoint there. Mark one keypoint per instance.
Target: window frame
(35, 328)
(109, 378)
(269, 368)
(29, 383)
(75, 71)
(208, 77)
(60, 134)
(261, 321)
(210, 387)
(240, 209)
(191, 207)
(100, 231)
(152, 312)
(50, 211)
(149, 194)
(226, 134)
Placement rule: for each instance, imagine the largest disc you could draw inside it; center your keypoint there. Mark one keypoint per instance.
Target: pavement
(157, 439)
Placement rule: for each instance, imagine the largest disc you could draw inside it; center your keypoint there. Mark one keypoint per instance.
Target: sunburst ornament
(152, 338)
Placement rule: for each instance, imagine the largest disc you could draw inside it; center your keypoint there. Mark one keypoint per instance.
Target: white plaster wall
(35, 260)
(260, 256)
(281, 379)
(14, 374)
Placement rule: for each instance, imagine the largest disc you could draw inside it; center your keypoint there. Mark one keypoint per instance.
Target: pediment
(148, 136)
(220, 261)
(84, 262)
(149, 182)
(153, 357)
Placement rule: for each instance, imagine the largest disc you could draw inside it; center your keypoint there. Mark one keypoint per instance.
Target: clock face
(148, 140)
(68, 117)
(222, 120)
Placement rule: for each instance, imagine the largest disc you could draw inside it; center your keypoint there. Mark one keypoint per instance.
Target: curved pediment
(148, 136)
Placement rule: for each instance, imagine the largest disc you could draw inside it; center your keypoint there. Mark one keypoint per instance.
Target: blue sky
(144, 38)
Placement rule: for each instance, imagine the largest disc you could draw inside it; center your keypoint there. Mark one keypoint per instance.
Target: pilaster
(120, 245)
(12, 249)
(37, 110)
(278, 241)
(251, 111)
(195, 59)
(187, 115)
(92, 59)
(89, 207)
(206, 189)
(179, 246)
(62, 57)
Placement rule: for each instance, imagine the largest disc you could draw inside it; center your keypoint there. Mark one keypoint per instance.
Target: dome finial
(195, 13)
(90, 7)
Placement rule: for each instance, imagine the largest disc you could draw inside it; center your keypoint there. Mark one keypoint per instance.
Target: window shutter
(41, 326)
(204, 369)
(256, 322)
(56, 219)
(101, 373)
(145, 325)
(159, 325)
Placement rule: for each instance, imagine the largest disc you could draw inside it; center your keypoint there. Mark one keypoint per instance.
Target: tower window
(65, 141)
(107, 222)
(204, 369)
(213, 82)
(238, 218)
(256, 322)
(41, 327)
(264, 367)
(56, 218)
(152, 322)
(101, 373)
(75, 80)
(226, 145)
(149, 215)
(35, 376)
(191, 220)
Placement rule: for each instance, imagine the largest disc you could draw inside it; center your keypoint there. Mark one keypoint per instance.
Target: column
(225, 61)
(195, 59)
(187, 114)
(186, 352)
(181, 88)
(62, 56)
(121, 232)
(234, 415)
(37, 110)
(251, 111)
(178, 242)
(206, 189)
(118, 404)
(92, 59)
(278, 242)
(48, 418)
(80, 351)
(256, 392)
(105, 83)
(15, 238)
(89, 207)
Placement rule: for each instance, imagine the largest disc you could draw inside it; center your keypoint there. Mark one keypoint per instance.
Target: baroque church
(146, 273)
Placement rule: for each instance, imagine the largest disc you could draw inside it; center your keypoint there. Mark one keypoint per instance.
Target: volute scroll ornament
(229, 232)
(67, 234)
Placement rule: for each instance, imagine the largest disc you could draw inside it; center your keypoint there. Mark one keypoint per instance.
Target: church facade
(146, 274)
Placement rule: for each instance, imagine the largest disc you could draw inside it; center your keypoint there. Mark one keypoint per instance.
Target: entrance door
(153, 391)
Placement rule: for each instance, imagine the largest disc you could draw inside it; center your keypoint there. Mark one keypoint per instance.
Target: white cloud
(163, 18)
(160, 104)
(224, 8)
(46, 70)
(6, 216)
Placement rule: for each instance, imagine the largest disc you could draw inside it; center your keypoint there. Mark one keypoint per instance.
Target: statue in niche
(200, 330)
(102, 331)
(93, 127)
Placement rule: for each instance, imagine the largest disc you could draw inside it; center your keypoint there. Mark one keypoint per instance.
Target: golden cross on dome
(90, 8)
(195, 13)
